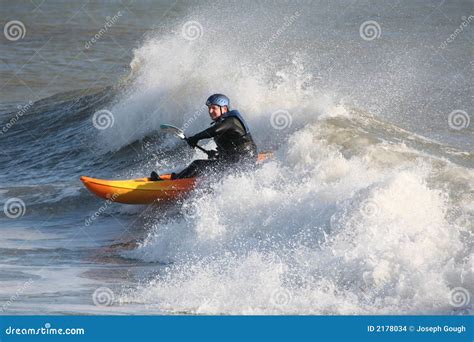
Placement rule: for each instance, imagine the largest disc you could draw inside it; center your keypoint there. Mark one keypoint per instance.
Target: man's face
(215, 111)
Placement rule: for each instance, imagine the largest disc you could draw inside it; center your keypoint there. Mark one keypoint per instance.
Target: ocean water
(366, 208)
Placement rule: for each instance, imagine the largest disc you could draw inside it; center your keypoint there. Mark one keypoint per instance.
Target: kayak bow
(140, 190)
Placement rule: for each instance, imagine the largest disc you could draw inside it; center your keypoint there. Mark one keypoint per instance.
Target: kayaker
(235, 146)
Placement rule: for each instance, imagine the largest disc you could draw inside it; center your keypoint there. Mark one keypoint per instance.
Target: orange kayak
(142, 190)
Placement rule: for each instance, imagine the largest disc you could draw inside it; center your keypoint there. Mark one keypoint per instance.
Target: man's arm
(214, 130)
(208, 133)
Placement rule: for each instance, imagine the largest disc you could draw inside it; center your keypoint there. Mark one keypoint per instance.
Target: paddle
(180, 134)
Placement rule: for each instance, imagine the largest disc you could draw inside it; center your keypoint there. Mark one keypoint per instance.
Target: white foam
(314, 231)
(172, 77)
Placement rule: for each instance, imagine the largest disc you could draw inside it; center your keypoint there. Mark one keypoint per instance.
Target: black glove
(212, 154)
(192, 141)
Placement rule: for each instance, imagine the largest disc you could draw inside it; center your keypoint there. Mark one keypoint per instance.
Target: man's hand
(192, 141)
(212, 154)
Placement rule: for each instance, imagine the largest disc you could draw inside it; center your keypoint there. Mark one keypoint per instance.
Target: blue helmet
(219, 100)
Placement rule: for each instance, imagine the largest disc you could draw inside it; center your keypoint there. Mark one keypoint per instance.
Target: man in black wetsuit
(235, 146)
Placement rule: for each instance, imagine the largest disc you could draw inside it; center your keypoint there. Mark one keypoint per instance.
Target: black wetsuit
(234, 146)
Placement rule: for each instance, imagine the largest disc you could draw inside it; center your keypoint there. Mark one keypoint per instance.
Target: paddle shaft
(180, 134)
(203, 149)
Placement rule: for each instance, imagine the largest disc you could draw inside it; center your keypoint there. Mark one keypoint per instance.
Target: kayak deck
(140, 190)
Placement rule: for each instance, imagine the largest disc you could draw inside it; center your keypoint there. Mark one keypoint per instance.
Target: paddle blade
(173, 130)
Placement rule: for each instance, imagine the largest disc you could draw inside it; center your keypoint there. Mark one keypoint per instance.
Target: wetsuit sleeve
(216, 129)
